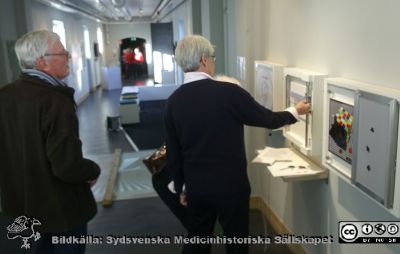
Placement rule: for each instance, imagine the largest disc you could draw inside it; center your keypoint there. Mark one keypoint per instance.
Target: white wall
(42, 18)
(182, 14)
(211, 13)
(8, 33)
(214, 18)
(205, 18)
(356, 39)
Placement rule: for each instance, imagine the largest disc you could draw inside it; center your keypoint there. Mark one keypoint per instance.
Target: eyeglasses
(65, 53)
(214, 58)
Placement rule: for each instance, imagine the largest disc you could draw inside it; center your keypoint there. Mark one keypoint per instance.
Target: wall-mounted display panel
(307, 85)
(340, 127)
(338, 116)
(375, 141)
(361, 138)
(269, 85)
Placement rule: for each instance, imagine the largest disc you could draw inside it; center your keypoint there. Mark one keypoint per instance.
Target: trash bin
(113, 123)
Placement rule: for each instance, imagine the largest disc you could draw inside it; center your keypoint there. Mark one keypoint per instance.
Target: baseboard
(279, 227)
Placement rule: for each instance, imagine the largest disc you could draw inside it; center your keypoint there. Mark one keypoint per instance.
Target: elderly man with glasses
(204, 121)
(43, 174)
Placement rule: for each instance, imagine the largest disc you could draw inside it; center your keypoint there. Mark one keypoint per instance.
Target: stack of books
(129, 95)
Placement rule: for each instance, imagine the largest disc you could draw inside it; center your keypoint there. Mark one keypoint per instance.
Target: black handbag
(157, 161)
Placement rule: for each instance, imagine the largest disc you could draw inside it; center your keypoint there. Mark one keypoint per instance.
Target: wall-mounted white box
(306, 134)
(361, 138)
(269, 85)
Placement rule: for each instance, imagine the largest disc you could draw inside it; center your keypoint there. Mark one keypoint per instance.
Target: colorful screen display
(340, 130)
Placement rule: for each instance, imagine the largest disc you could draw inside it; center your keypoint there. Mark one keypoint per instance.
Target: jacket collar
(69, 91)
(195, 76)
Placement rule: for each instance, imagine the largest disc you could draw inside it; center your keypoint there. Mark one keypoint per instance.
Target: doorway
(133, 59)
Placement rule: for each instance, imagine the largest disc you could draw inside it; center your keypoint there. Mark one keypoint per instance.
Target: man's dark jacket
(42, 171)
(204, 123)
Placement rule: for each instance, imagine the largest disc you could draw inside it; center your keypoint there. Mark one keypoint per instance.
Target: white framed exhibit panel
(361, 138)
(306, 134)
(337, 151)
(269, 85)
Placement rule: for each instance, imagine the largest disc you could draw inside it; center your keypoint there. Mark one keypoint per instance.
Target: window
(168, 64)
(162, 63)
(149, 57)
(58, 28)
(157, 57)
(80, 73)
(86, 39)
(100, 40)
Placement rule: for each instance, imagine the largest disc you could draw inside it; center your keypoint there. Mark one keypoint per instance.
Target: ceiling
(117, 11)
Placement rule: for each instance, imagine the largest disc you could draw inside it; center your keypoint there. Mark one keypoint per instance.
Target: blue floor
(149, 133)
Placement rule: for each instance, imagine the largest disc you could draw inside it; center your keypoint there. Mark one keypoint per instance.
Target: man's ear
(41, 63)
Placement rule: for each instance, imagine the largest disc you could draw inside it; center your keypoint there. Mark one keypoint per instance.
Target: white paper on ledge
(291, 169)
(284, 162)
(271, 155)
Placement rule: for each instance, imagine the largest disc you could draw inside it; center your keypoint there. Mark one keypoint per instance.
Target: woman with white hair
(204, 121)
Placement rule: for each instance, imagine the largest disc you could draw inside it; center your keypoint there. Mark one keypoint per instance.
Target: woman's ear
(203, 60)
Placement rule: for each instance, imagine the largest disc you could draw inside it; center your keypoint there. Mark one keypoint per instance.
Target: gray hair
(189, 51)
(32, 46)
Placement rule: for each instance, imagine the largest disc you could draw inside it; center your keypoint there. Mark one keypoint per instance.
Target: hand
(303, 107)
(183, 199)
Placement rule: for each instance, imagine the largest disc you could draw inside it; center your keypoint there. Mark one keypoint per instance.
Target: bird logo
(24, 227)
